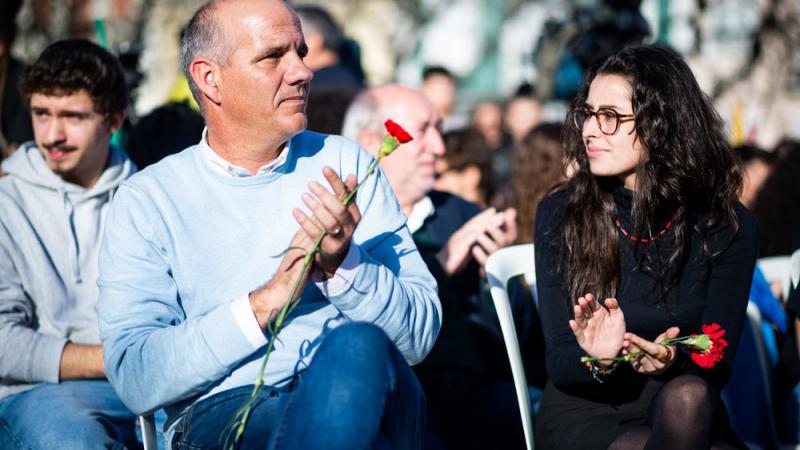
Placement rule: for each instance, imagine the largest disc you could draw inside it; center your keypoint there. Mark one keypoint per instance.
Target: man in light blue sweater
(193, 267)
(53, 203)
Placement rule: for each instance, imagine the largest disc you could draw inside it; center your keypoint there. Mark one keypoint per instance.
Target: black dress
(576, 411)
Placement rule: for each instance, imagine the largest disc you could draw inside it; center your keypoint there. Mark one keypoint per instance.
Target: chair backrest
(795, 268)
(748, 394)
(501, 266)
(778, 268)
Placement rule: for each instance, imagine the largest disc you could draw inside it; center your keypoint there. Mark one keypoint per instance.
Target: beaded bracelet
(598, 371)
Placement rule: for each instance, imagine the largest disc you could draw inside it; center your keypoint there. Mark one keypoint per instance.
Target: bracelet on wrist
(598, 371)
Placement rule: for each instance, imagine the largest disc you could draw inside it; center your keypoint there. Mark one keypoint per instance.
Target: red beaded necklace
(638, 239)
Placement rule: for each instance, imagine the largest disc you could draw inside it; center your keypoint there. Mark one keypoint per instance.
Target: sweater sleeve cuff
(246, 320)
(47, 367)
(226, 347)
(344, 276)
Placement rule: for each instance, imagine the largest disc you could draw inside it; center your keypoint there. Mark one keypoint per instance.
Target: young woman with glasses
(646, 241)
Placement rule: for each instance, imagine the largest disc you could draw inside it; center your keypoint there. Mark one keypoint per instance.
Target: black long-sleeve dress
(576, 411)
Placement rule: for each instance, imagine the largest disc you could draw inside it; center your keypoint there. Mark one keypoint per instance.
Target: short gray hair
(362, 115)
(203, 37)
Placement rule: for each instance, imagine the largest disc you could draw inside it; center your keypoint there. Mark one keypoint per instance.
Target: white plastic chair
(149, 434)
(501, 266)
(778, 268)
(752, 415)
(795, 267)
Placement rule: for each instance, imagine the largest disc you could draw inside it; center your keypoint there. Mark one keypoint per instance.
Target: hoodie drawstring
(69, 211)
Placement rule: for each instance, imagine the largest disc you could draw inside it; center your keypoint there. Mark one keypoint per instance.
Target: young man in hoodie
(53, 201)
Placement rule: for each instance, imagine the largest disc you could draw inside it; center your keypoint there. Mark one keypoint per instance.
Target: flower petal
(397, 131)
(708, 358)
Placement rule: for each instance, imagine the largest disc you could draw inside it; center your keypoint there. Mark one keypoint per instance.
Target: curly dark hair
(535, 171)
(689, 174)
(68, 66)
(467, 147)
(775, 205)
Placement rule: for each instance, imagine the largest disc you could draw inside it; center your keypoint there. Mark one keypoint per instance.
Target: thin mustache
(63, 148)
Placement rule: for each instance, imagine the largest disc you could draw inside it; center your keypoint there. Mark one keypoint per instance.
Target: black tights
(681, 417)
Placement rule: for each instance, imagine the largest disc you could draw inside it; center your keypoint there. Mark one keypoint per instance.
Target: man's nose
(55, 131)
(434, 143)
(298, 72)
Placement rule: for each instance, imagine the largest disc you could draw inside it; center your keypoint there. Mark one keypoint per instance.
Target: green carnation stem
(235, 429)
(697, 341)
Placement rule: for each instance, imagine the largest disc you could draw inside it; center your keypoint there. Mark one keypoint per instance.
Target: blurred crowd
(499, 75)
(743, 52)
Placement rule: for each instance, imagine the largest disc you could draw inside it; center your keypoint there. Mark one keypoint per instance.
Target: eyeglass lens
(607, 119)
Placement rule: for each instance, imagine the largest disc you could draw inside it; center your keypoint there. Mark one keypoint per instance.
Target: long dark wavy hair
(688, 172)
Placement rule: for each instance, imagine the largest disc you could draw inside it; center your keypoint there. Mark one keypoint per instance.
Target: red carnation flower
(708, 358)
(397, 131)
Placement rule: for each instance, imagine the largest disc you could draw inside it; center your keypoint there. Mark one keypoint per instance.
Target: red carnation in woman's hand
(709, 357)
(706, 349)
(397, 131)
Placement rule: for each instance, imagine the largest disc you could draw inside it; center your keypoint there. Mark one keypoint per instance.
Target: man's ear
(205, 75)
(115, 121)
(370, 141)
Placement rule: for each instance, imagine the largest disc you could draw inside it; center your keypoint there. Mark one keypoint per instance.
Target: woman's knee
(689, 388)
(688, 394)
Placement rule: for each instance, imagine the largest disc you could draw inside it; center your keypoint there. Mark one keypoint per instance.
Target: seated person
(465, 169)
(758, 165)
(54, 200)
(466, 378)
(645, 242)
(203, 248)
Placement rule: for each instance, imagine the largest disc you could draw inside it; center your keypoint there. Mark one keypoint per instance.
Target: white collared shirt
(419, 213)
(220, 165)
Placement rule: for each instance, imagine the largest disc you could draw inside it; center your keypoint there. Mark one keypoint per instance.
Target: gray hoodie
(50, 234)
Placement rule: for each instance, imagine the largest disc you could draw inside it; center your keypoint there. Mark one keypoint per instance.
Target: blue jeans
(358, 393)
(68, 415)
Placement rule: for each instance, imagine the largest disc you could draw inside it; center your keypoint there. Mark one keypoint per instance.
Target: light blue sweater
(49, 240)
(183, 241)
